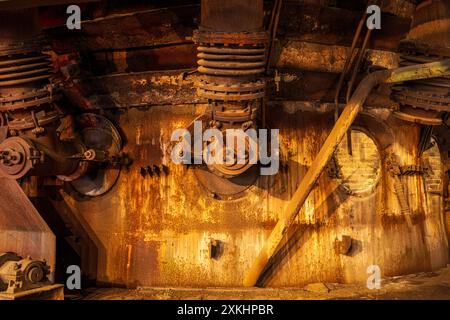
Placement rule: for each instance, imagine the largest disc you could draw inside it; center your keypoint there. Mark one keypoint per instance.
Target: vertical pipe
(232, 45)
(232, 15)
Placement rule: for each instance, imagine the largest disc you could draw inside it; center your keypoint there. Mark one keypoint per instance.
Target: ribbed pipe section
(425, 101)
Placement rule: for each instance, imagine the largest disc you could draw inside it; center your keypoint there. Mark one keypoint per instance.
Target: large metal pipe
(232, 47)
(351, 110)
(232, 15)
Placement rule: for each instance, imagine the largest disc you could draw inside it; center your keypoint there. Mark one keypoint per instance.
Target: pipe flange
(416, 46)
(236, 92)
(421, 99)
(429, 95)
(417, 115)
(42, 119)
(225, 38)
(236, 116)
(30, 99)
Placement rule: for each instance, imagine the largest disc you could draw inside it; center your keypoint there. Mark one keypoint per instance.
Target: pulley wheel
(97, 132)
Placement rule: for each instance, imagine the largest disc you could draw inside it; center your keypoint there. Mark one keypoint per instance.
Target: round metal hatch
(358, 167)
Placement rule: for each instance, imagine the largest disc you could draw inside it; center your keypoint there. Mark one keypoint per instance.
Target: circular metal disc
(16, 171)
(99, 133)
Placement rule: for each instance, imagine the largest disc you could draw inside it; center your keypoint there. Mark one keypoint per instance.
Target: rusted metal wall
(156, 231)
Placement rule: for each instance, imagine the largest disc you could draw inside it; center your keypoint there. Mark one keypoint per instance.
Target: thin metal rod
(361, 54)
(273, 27)
(348, 63)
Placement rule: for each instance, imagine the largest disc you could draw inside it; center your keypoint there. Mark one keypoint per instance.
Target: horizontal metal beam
(22, 4)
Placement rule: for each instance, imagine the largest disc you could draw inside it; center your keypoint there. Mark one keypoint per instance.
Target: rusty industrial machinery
(18, 274)
(39, 137)
(108, 126)
(28, 103)
(426, 101)
(34, 141)
(231, 59)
